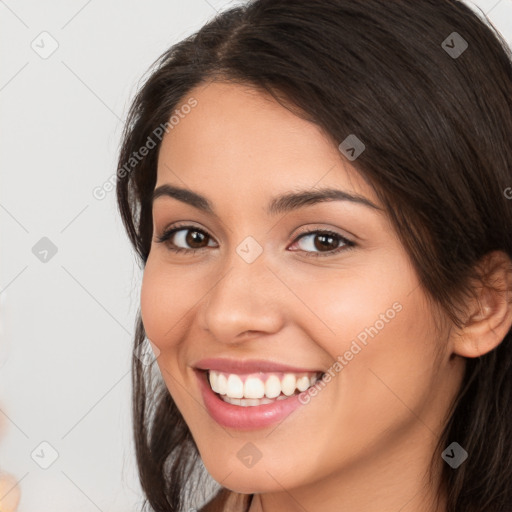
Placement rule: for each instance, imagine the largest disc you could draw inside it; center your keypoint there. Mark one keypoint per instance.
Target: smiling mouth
(253, 389)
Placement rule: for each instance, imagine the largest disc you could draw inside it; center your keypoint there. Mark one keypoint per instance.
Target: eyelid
(305, 231)
(172, 229)
(346, 242)
(313, 228)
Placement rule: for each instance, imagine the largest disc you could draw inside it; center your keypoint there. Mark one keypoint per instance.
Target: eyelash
(166, 235)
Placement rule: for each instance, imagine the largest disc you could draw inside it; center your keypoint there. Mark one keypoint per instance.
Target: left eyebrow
(295, 200)
(280, 204)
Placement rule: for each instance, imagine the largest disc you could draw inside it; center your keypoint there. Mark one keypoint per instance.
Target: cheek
(386, 346)
(150, 307)
(344, 305)
(164, 300)
(378, 326)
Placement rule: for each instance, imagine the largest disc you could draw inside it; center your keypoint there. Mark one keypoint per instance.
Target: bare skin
(365, 441)
(9, 488)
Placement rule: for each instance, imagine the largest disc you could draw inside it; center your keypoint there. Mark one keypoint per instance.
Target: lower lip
(245, 418)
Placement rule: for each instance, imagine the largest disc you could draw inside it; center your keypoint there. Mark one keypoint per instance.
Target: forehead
(236, 135)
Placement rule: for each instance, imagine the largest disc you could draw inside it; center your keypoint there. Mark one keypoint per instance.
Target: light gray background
(66, 324)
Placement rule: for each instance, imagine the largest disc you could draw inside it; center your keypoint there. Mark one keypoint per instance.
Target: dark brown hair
(437, 129)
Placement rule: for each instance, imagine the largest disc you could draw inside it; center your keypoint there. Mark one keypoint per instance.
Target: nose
(246, 299)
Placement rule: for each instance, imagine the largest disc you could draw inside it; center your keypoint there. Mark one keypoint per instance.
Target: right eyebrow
(184, 195)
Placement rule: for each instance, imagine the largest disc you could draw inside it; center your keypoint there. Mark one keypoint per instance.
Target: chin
(249, 484)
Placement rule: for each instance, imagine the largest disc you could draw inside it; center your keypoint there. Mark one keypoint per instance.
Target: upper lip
(248, 366)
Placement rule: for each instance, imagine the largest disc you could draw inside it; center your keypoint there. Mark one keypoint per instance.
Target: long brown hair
(434, 110)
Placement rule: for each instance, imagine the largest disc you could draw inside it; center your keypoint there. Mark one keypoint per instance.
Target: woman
(317, 192)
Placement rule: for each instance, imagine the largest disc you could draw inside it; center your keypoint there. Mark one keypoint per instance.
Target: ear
(490, 311)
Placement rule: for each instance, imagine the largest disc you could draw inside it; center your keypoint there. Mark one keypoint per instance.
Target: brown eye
(185, 238)
(325, 242)
(322, 243)
(195, 239)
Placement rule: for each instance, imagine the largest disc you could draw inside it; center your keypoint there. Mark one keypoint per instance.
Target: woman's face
(268, 299)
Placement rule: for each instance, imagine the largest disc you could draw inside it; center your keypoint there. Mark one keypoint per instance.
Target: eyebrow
(280, 204)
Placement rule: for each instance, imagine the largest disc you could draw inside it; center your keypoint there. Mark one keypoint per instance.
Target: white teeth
(234, 401)
(273, 387)
(214, 378)
(256, 390)
(222, 383)
(249, 402)
(288, 384)
(235, 387)
(246, 402)
(302, 383)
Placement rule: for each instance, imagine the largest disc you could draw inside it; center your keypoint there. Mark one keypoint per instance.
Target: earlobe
(490, 311)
